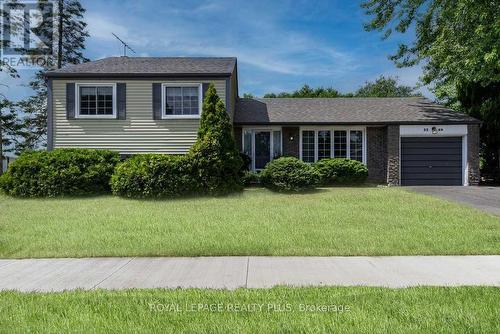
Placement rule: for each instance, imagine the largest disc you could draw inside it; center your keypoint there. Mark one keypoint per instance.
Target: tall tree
(306, 91)
(385, 87)
(458, 43)
(9, 120)
(10, 126)
(70, 34)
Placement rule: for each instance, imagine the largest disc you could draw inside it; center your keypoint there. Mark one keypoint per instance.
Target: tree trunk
(60, 33)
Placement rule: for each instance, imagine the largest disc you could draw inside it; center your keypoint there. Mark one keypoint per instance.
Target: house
(143, 105)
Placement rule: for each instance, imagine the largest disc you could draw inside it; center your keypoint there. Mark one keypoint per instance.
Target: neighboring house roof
(149, 66)
(345, 111)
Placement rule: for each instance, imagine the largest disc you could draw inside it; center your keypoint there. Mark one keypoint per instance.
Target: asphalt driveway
(486, 199)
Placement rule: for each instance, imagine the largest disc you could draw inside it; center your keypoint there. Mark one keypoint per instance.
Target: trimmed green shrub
(250, 178)
(214, 157)
(289, 174)
(60, 172)
(342, 171)
(154, 175)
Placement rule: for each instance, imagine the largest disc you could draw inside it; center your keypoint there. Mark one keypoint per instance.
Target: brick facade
(291, 141)
(473, 154)
(382, 151)
(376, 154)
(393, 155)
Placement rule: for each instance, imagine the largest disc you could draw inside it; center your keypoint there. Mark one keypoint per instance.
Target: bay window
(308, 146)
(356, 145)
(340, 144)
(324, 143)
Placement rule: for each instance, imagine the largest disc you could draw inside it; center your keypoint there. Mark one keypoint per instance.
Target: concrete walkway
(251, 272)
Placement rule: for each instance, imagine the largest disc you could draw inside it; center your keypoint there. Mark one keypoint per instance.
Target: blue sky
(280, 45)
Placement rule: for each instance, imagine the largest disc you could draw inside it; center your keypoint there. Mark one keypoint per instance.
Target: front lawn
(333, 221)
(277, 310)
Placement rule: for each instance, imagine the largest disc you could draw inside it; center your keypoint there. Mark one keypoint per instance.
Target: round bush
(60, 172)
(341, 171)
(249, 178)
(154, 175)
(289, 174)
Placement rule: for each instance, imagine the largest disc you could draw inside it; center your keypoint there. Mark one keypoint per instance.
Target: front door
(262, 149)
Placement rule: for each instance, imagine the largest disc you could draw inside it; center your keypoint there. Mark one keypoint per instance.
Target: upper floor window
(182, 100)
(96, 101)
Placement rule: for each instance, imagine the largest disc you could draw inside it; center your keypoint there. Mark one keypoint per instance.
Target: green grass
(334, 221)
(365, 310)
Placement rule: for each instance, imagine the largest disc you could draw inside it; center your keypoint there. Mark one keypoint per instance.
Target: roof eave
(135, 75)
(361, 123)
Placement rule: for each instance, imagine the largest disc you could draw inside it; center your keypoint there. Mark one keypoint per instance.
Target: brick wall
(376, 154)
(393, 155)
(473, 154)
(291, 147)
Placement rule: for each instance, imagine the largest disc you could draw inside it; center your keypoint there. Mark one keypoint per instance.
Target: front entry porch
(262, 145)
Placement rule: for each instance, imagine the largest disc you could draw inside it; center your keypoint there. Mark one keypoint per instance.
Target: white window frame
(270, 129)
(183, 84)
(332, 129)
(94, 84)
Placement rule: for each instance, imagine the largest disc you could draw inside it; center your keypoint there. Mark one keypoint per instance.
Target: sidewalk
(251, 272)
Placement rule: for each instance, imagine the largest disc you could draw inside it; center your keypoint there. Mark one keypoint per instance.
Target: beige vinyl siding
(139, 133)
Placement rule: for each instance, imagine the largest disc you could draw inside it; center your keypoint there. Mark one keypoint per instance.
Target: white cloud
(257, 42)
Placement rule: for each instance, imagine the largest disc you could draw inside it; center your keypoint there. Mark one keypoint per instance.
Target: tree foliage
(458, 43)
(214, 156)
(10, 126)
(382, 87)
(70, 34)
(385, 87)
(307, 91)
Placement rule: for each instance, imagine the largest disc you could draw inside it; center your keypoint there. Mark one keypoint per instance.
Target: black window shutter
(156, 100)
(70, 100)
(121, 97)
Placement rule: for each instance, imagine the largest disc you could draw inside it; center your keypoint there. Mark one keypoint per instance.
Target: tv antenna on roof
(125, 46)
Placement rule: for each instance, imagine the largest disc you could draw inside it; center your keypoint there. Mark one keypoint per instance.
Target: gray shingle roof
(150, 66)
(345, 111)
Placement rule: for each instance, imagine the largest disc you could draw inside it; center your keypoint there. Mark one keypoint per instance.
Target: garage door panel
(432, 157)
(434, 145)
(432, 150)
(426, 169)
(441, 176)
(431, 139)
(434, 163)
(431, 161)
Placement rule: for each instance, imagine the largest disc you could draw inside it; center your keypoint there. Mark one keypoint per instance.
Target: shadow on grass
(194, 196)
